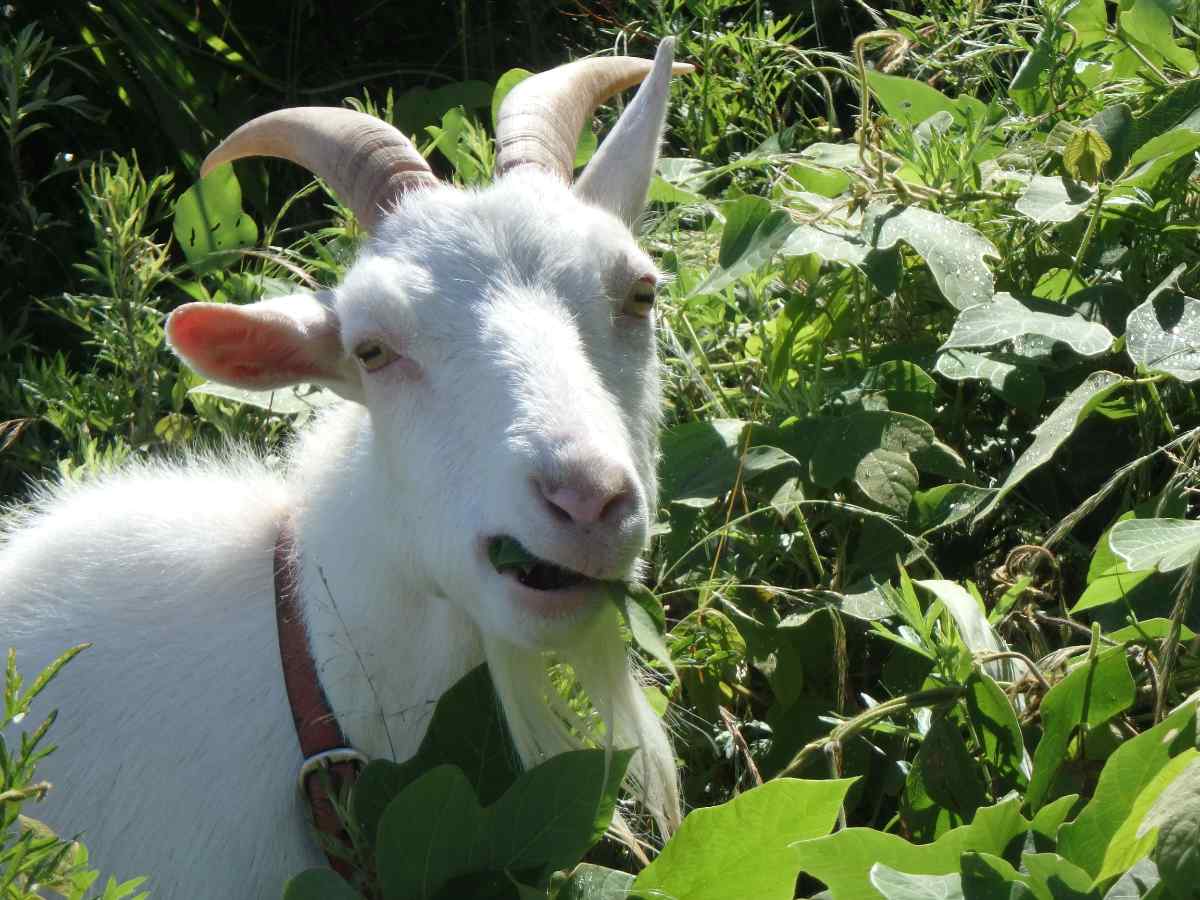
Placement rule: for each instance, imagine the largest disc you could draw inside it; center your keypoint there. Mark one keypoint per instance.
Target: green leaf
(995, 723)
(1055, 429)
(432, 832)
(1176, 813)
(1089, 840)
(872, 450)
(820, 180)
(435, 831)
(1148, 24)
(1149, 630)
(741, 848)
(662, 191)
(299, 399)
(506, 553)
(944, 505)
(1008, 318)
(319, 884)
(900, 886)
(467, 731)
(1057, 877)
(986, 876)
(1019, 383)
(953, 251)
(1109, 587)
(644, 614)
(843, 860)
(209, 219)
(1085, 155)
(1057, 200)
(1155, 156)
(1137, 883)
(1091, 694)
(592, 882)
(943, 789)
(421, 106)
(1163, 335)
(828, 241)
(1138, 833)
(905, 386)
(506, 83)
(700, 461)
(553, 813)
(754, 232)
(1161, 544)
(911, 102)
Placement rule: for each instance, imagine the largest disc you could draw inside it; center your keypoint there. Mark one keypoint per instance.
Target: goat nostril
(585, 504)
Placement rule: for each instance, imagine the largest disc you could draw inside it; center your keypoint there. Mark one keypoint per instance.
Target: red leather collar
(330, 764)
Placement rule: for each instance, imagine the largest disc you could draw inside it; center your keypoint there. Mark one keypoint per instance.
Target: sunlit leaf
(1162, 544)
(954, 251)
(760, 824)
(1085, 155)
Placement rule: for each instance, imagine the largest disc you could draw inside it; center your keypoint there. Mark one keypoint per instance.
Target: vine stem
(1087, 240)
(860, 44)
(864, 720)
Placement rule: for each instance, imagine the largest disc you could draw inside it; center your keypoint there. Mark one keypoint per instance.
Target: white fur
(521, 366)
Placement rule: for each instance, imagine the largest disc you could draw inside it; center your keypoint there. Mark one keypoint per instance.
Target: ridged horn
(367, 162)
(541, 118)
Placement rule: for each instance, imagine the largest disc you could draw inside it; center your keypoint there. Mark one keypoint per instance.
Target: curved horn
(367, 162)
(541, 118)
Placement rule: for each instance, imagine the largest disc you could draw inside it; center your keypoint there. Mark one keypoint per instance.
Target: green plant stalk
(867, 718)
(1087, 240)
(1189, 584)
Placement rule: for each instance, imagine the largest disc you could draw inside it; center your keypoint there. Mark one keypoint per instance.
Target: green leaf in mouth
(507, 553)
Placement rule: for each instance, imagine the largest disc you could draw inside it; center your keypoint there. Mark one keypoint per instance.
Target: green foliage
(458, 820)
(32, 857)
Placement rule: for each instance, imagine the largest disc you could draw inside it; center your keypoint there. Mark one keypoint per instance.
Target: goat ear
(270, 344)
(618, 176)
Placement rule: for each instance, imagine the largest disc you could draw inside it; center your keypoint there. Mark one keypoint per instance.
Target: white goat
(497, 352)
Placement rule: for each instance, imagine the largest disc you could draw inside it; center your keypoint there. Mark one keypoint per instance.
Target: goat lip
(562, 604)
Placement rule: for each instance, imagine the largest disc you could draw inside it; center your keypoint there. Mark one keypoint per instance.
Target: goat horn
(367, 162)
(541, 118)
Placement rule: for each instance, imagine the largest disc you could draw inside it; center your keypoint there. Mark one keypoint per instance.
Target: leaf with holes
(953, 251)
(1163, 335)
(210, 221)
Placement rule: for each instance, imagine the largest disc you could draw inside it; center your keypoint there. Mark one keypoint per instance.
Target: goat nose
(601, 494)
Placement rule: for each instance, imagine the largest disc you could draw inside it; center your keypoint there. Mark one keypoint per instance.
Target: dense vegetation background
(924, 574)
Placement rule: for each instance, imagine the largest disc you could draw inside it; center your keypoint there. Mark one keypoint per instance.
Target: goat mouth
(509, 558)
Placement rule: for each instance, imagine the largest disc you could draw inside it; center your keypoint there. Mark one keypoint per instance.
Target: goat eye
(374, 355)
(641, 297)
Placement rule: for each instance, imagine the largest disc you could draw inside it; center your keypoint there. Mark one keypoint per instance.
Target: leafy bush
(32, 857)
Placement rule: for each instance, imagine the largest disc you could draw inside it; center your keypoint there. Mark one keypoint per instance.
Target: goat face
(501, 340)
(506, 353)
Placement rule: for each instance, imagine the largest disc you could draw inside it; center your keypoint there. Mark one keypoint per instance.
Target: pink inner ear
(243, 347)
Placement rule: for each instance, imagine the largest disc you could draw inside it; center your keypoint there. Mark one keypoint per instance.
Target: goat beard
(543, 724)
